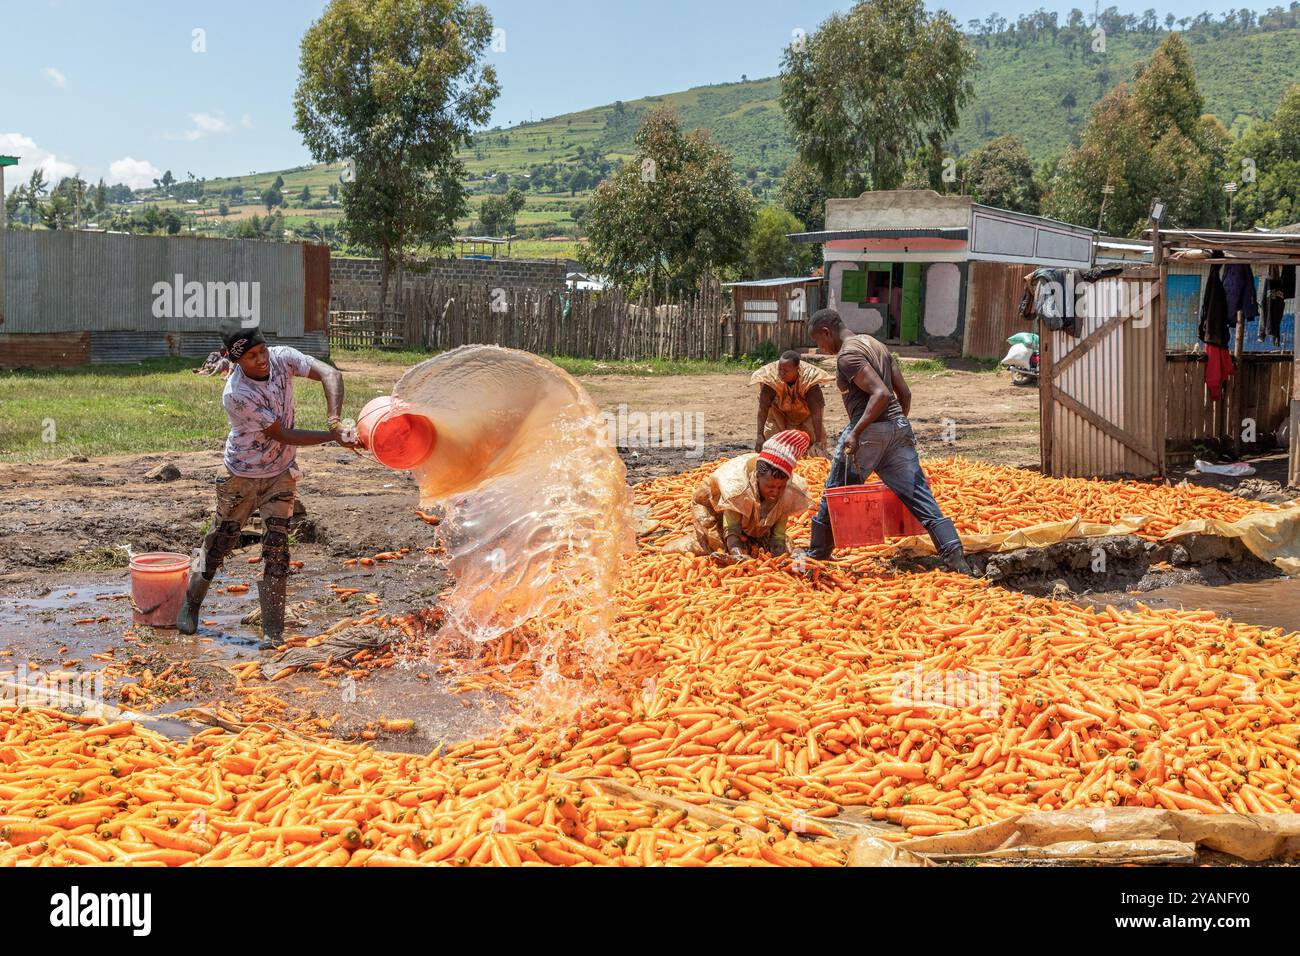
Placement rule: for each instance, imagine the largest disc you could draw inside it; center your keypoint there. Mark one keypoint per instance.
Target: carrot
(175, 841)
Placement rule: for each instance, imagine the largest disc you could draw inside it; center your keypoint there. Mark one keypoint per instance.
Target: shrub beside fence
(583, 324)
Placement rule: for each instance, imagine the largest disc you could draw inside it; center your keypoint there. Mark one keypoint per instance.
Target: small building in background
(773, 309)
(912, 267)
(585, 282)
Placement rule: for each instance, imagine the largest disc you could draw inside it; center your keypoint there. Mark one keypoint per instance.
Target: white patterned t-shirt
(253, 406)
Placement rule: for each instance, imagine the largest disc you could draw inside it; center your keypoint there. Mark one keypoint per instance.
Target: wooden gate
(1102, 392)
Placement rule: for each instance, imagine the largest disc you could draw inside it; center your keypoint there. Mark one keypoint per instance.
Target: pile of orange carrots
(937, 702)
(984, 498)
(74, 791)
(930, 701)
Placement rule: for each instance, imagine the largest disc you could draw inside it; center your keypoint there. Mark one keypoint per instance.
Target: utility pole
(1231, 190)
(4, 161)
(1105, 191)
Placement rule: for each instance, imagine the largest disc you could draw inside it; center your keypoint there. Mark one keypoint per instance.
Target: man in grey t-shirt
(878, 438)
(260, 458)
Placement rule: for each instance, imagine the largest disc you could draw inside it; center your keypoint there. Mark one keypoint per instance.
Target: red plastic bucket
(158, 582)
(868, 514)
(398, 440)
(858, 513)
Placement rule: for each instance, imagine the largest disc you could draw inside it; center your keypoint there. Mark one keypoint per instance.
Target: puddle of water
(32, 627)
(66, 598)
(1271, 603)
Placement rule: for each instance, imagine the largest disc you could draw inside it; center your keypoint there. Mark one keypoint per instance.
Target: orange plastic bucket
(397, 439)
(158, 582)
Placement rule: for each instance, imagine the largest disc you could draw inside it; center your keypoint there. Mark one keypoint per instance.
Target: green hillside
(1037, 89)
(1026, 91)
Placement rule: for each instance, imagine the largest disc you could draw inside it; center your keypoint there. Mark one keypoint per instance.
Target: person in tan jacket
(790, 396)
(742, 508)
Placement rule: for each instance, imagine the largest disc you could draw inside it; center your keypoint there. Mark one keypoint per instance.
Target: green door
(911, 319)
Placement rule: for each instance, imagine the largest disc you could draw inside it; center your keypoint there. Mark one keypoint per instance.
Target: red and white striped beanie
(785, 448)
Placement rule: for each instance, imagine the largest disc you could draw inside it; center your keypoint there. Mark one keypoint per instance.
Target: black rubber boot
(270, 594)
(955, 560)
(821, 544)
(948, 545)
(187, 619)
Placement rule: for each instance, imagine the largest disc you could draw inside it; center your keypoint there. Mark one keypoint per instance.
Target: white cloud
(246, 121)
(30, 158)
(210, 122)
(205, 124)
(136, 173)
(56, 77)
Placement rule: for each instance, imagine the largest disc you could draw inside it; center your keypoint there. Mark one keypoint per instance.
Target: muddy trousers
(888, 449)
(237, 498)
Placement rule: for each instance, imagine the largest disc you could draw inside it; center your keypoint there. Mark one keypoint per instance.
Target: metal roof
(760, 283)
(951, 232)
(1259, 245)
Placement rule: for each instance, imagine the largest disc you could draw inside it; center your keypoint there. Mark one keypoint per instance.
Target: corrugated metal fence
(133, 297)
(994, 290)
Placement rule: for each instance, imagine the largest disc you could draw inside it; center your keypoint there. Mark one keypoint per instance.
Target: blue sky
(116, 88)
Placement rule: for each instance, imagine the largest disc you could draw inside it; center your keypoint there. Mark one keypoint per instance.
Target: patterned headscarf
(238, 339)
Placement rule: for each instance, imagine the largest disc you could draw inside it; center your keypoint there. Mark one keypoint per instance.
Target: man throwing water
(261, 467)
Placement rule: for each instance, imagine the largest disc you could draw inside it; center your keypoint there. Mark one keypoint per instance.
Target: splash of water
(538, 513)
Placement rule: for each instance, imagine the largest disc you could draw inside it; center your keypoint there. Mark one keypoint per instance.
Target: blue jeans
(889, 449)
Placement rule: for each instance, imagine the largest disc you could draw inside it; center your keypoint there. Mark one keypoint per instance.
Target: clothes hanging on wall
(1218, 369)
(1274, 302)
(1101, 272)
(1048, 301)
(1239, 287)
(1213, 327)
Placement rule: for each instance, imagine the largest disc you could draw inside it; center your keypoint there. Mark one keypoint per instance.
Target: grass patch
(943, 364)
(925, 366)
(582, 367)
(98, 559)
(152, 406)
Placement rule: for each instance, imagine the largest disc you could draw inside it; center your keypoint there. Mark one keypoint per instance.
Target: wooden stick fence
(598, 325)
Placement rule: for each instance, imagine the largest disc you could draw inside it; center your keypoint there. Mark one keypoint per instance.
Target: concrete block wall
(357, 279)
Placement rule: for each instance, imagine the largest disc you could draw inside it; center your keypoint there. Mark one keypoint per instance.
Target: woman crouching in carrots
(742, 508)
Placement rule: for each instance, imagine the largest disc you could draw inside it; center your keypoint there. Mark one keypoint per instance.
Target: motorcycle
(1023, 359)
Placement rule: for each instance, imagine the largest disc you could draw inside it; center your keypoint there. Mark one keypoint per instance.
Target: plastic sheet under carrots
(1123, 834)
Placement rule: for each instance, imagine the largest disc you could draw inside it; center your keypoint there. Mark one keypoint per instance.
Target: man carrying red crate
(878, 438)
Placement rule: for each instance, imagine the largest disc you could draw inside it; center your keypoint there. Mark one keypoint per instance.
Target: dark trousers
(889, 449)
